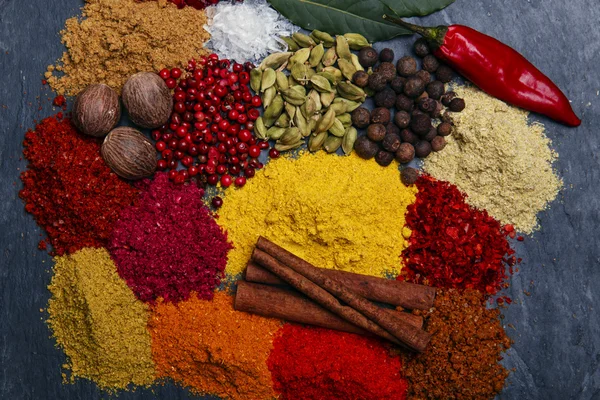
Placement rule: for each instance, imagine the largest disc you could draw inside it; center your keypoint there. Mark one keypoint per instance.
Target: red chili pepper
(497, 69)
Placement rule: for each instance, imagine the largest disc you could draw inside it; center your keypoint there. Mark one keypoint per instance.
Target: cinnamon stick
(289, 305)
(407, 295)
(280, 262)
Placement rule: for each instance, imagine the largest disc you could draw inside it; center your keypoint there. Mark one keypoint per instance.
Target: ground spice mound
(462, 359)
(68, 188)
(335, 212)
(169, 245)
(310, 363)
(452, 244)
(212, 348)
(98, 322)
(503, 163)
(118, 38)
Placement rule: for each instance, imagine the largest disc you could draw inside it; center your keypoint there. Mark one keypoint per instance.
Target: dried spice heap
(98, 322)
(315, 363)
(462, 360)
(213, 349)
(68, 188)
(321, 208)
(503, 163)
(118, 38)
(452, 244)
(169, 245)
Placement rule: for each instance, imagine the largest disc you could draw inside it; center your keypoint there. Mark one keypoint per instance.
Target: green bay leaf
(351, 16)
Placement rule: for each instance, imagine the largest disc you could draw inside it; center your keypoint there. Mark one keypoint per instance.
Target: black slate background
(556, 328)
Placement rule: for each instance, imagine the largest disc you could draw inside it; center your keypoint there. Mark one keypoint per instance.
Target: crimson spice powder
(169, 244)
(453, 245)
(309, 363)
(68, 188)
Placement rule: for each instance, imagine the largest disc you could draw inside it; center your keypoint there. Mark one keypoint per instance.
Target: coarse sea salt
(247, 31)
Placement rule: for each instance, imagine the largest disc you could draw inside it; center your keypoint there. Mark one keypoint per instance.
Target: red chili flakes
(59, 101)
(68, 188)
(452, 244)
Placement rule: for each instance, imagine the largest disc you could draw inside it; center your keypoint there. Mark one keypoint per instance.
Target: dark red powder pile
(452, 244)
(68, 188)
(310, 363)
(169, 245)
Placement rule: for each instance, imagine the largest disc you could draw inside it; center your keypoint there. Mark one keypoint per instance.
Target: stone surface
(556, 327)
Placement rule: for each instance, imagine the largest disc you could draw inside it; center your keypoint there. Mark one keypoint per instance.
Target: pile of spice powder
(98, 322)
(68, 188)
(503, 163)
(452, 244)
(212, 348)
(462, 359)
(335, 212)
(310, 363)
(117, 38)
(169, 245)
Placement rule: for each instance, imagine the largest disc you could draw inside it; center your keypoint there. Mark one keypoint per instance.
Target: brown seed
(447, 98)
(380, 115)
(421, 47)
(435, 89)
(408, 136)
(391, 128)
(444, 73)
(430, 63)
(427, 105)
(147, 99)
(457, 105)
(397, 84)
(438, 143)
(413, 87)
(384, 158)
(391, 142)
(96, 110)
(402, 119)
(424, 76)
(377, 82)
(405, 153)
(376, 132)
(409, 176)
(420, 123)
(129, 153)
(444, 129)
(367, 57)
(422, 149)
(388, 71)
(404, 103)
(385, 98)
(365, 148)
(406, 66)
(430, 135)
(386, 55)
(360, 79)
(361, 117)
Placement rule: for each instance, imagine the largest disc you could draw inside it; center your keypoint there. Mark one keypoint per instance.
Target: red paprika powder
(309, 363)
(453, 245)
(68, 188)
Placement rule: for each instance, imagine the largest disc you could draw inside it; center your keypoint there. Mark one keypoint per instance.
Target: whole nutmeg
(381, 115)
(147, 99)
(129, 153)
(365, 148)
(361, 117)
(360, 79)
(96, 110)
(376, 132)
(384, 158)
(405, 153)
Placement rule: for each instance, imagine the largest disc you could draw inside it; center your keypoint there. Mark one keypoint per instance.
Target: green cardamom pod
(291, 135)
(337, 129)
(274, 133)
(332, 143)
(310, 73)
(342, 48)
(338, 108)
(349, 139)
(303, 40)
(356, 41)
(273, 111)
(315, 142)
(330, 57)
(260, 130)
(293, 97)
(309, 107)
(320, 83)
(299, 71)
(337, 74)
(350, 105)
(301, 123)
(275, 60)
(283, 121)
(286, 147)
(351, 92)
(292, 45)
(314, 95)
(327, 98)
(300, 89)
(315, 55)
(299, 57)
(346, 119)
(312, 122)
(268, 79)
(347, 68)
(292, 81)
(268, 96)
(281, 81)
(319, 67)
(327, 75)
(326, 122)
(323, 37)
(255, 79)
(290, 109)
(356, 62)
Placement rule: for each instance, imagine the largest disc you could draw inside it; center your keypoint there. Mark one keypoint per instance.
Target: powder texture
(335, 212)
(503, 163)
(310, 363)
(169, 245)
(462, 359)
(212, 348)
(98, 322)
(118, 38)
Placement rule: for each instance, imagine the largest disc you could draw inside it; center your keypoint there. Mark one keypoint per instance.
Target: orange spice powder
(212, 348)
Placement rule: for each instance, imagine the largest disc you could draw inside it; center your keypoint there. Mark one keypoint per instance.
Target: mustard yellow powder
(98, 322)
(336, 212)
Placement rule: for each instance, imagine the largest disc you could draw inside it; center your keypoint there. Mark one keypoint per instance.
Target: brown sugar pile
(117, 38)
(462, 359)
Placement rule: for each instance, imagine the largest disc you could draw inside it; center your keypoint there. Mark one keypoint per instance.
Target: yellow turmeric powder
(341, 213)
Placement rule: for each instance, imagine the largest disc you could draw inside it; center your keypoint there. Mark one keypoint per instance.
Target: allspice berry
(404, 103)
(392, 129)
(409, 176)
(438, 143)
(391, 142)
(420, 124)
(129, 153)
(414, 87)
(384, 158)
(376, 132)
(430, 135)
(422, 149)
(427, 105)
(421, 47)
(361, 117)
(444, 129)
(385, 98)
(388, 71)
(365, 148)
(147, 99)
(367, 57)
(360, 79)
(406, 66)
(457, 105)
(377, 82)
(424, 76)
(405, 153)
(408, 136)
(381, 115)
(96, 110)
(397, 84)
(447, 98)
(435, 89)
(444, 73)
(430, 63)
(402, 119)
(386, 55)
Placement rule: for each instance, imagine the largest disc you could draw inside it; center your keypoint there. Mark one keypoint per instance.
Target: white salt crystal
(247, 31)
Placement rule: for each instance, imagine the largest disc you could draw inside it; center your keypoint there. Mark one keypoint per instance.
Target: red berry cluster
(211, 128)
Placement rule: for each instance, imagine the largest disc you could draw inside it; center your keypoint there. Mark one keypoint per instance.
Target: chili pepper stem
(434, 35)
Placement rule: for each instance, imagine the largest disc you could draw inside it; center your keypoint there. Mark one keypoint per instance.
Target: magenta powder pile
(169, 244)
